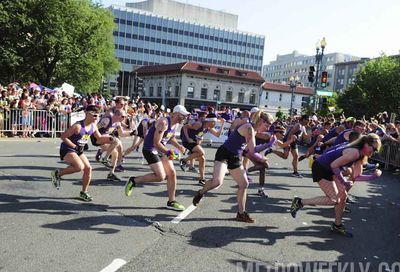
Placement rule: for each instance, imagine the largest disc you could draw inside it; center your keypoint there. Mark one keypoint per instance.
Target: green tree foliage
(375, 89)
(56, 41)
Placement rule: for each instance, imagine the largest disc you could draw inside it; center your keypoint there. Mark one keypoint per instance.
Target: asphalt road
(43, 229)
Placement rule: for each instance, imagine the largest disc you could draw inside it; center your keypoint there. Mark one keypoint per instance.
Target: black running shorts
(225, 156)
(150, 156)
(189, 146)
(319, 172)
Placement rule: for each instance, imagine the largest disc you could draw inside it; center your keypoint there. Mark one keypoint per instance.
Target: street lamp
(318, 60)
(292, 84)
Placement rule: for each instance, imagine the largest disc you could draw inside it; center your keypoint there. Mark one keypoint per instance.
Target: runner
(327, 171)
(110, 125)
(228, 157)
(71, 151)
(141, 131)
(191, 136)
(159, 157)
(299, 131)
(260, 162)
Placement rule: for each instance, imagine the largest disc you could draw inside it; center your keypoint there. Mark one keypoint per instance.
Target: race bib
(84, 140)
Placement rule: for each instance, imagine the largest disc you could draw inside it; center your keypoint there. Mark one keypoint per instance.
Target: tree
(56, 41)
(375, 89)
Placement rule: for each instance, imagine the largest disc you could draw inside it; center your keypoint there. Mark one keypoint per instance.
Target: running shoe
(340, 230)
(296, 206)
(105, 162)
(302, 157)
(197, 198)
(182, 164)
(119, 168)
(55, 178)
(261, 192)
(85, 196)
(98, 155)
(244, 217)
(350, 199)
(193, 169)
(175, 205)
(297, 175)
(370, 167)
(202, 182)
(113, 177)
(129, 186)
(268, 151)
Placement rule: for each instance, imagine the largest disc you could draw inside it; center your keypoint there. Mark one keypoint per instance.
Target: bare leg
(218, 177)
(239, 175)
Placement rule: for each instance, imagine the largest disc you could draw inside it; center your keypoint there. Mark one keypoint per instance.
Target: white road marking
(183, 214)
(114, 265)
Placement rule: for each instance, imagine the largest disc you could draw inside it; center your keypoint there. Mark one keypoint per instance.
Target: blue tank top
(235, 142)
(330, 156)
(340, 138)
(168, 134)
(80, 139)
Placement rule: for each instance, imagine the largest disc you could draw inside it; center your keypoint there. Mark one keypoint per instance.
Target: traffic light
(311, 74)
(324, 79)
(138, 86)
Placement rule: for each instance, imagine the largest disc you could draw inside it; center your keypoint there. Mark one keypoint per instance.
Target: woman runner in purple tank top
(327, 170)
(228, 157)
(71, 151)
(159, 157)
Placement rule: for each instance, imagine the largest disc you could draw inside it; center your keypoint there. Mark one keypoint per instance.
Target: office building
(157, 32)
(296, 64)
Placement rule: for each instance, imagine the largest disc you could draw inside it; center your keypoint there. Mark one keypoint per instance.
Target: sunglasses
(374, 148)
(94, 114)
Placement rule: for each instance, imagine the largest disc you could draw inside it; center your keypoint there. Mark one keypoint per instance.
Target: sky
(363, 28)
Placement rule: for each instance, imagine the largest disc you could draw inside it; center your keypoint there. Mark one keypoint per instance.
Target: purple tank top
(194, 134)
(235, 142)
(168, 134)
(109, 128)
(82, 138)
(330, 156)
(340, 138)
(332, 133)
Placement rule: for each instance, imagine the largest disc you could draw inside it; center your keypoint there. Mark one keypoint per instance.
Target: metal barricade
(31, 122)
(389, 154)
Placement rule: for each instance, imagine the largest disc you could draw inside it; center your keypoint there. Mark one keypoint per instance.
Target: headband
(211, 119)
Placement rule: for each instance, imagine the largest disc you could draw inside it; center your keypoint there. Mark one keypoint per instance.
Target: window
(241, 97)
(280, 97)
(203, 94)
(159, 90)
(169, 91)
(176, 91)
(228, 96)
(151, 91)
(266, 95)
(216, 95)
(190, 92)
(253, 97)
